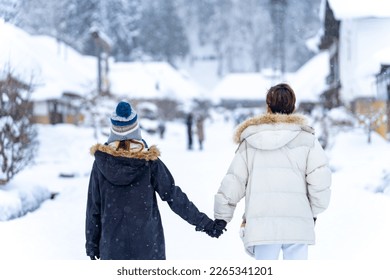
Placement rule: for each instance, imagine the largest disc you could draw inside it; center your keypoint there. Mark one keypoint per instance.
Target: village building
(245, 93)
(355, 37)
(64, 82)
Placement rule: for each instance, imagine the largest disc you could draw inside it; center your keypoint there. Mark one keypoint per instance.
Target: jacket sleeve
(318, 178)
(233, 187)
(93, 221)
(164, 184)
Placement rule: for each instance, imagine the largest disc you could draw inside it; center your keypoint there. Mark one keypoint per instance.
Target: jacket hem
(250, 246)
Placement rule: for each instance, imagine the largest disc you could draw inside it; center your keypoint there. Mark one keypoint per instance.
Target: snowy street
(355, 227)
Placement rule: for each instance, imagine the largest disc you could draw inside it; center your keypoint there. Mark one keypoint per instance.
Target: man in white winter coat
(282, 171)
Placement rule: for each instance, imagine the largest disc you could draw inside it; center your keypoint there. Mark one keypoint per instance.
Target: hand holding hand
(217, 228)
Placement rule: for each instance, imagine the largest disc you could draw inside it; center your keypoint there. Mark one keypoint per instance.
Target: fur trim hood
(123, 168)
(147, 154)
(280, 128)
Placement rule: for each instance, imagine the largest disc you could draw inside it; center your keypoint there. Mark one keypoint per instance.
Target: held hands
(214, 229)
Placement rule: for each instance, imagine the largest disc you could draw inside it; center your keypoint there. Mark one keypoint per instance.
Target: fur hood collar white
(271, 131)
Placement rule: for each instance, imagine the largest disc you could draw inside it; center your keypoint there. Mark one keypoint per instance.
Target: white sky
(360, 8)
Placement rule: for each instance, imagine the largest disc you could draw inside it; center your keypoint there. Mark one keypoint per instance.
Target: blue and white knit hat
(124, 123)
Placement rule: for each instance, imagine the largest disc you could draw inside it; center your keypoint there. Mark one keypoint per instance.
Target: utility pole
(103, 48)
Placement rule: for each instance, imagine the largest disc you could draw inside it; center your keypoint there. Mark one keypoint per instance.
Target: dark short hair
(281, 99)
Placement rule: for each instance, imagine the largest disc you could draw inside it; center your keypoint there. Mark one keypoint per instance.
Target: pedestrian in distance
(200, 130)
(161, 129)
(189, 122)
(122, 217)
(282, 171)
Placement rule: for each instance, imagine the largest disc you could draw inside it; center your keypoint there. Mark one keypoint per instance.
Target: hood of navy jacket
(271, 131)
(121, 167)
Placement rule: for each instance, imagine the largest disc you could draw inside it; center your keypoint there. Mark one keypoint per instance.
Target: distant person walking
(161, 129)
(122, 219)
(189, 122)
(200, 130)
(282, 171)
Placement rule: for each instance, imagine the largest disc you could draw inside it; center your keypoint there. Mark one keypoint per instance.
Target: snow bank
(63, 150)
(18, 200)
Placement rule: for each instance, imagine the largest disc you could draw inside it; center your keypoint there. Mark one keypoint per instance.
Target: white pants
(290, 251)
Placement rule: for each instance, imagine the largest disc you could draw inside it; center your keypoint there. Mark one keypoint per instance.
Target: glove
(217, 229)
(220, 224)
(207, 227)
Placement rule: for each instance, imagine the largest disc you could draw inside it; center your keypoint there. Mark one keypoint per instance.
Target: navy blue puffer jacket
(123, 220)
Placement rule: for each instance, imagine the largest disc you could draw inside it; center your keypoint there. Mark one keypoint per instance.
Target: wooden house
(59, 75)
(354, 35)
(64, 109)
(383, 89)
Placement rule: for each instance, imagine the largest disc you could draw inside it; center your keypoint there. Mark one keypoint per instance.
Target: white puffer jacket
(282, 171)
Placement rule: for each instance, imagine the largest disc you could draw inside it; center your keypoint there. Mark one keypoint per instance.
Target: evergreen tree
(9, 9)
(123, 21)
(220, 33)
(162, 34)
(36, 16)
(302, 23)
(256, 32)
(239, 32)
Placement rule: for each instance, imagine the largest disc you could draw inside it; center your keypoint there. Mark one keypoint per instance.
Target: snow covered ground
(355, 227)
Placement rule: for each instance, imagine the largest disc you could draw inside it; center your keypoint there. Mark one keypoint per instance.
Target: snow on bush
(384, 186)
(18, 201)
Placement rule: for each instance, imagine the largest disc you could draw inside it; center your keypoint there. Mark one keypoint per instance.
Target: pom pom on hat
(124, 123)
(123, 109)
(124, 115)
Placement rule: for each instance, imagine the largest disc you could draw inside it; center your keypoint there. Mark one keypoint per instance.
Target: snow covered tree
(256, 32)
(302, 23)
(219, 30)
(87, 15)
(9, 9)
(17, 134)
(123, 23)
(237, 33)
(162, 33)
(36, 16)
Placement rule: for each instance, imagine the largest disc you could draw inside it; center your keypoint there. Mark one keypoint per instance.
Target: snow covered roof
(152, 80)
(383, 56)
(241, 86)
(344, 9)
(310, 80)
(55, 68)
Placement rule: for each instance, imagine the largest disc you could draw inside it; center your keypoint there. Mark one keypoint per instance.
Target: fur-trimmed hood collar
(271, 131)
(147, 154)
(123, 168)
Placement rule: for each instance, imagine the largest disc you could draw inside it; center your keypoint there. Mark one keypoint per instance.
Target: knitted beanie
(124, 123)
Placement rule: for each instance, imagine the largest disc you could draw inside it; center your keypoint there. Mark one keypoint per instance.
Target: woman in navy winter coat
(123, 219)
